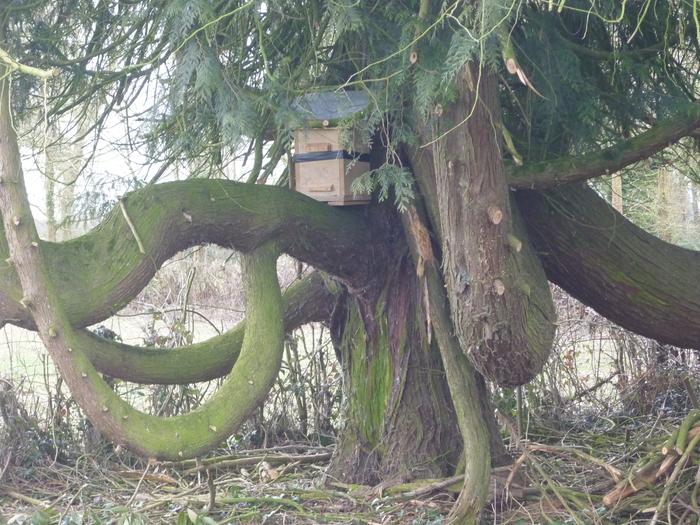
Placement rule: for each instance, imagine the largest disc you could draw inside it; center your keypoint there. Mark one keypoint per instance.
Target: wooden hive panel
(328, 179)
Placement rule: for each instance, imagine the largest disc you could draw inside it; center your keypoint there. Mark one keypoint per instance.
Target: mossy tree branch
(164, 438)
(13, 65)
(305, 301)
(628, 275)
(550, 173)
(100, 272)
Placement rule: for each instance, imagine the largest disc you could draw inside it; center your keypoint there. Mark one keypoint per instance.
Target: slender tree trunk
(67, 200)
(71, 164)
(50, 190)
(663, 205)
(617, 201)
(467, 388)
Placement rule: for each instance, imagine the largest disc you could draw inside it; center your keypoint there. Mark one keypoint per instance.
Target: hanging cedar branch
(550, 173)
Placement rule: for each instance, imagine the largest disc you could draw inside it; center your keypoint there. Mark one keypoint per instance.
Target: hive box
(325, 170)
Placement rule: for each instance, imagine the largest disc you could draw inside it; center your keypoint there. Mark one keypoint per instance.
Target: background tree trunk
(617, 201)
(50, 197)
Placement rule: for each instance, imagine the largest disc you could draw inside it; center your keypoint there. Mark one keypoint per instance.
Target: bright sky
(114, 164)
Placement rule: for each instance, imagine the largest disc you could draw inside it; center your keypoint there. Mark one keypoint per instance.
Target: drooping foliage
(201, 83)
(585, 73)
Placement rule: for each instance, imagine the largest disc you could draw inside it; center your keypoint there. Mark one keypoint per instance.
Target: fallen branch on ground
(254, 460)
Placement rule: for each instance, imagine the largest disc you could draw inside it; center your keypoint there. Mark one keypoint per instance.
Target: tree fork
(162, 438)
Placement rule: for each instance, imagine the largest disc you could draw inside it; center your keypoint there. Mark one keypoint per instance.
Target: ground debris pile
(625, 470)
(284, 484)
(637, 470)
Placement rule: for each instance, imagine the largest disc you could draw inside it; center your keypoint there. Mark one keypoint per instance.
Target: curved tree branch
(631, 277)
(151, 436)
(100, 272)
(594, 253)
(303, 302)
(550, 173)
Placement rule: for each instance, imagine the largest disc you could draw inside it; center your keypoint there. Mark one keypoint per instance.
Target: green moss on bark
(101, 271)
(242, 391)
(399, 423)
(305, 301)
(370, 375)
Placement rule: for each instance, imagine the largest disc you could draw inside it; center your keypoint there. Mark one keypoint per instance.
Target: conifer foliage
(478, 112)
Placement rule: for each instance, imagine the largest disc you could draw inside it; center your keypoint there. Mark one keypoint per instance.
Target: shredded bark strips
(163, 438)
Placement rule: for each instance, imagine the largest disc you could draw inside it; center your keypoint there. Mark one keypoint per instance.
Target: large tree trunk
(399, 420)
(499, 299)
(415, 407)
(501, 312)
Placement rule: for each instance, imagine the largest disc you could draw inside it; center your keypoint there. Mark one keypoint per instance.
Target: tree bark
(50, 195)
(499, 298)
(626, 274)
(467, 389)
(399, 420)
